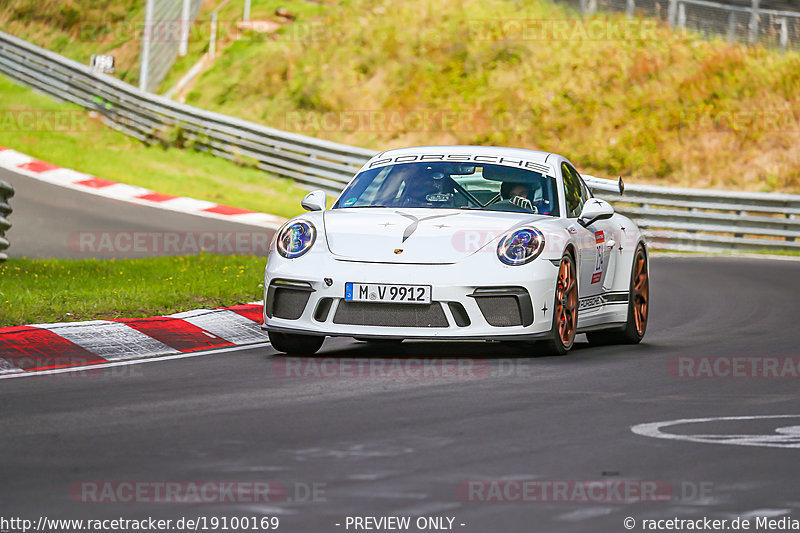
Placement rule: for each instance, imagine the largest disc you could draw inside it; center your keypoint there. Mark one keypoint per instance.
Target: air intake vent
(505, 306)
(323, 308)
(287, 299)
(392, 315)
(459, 314)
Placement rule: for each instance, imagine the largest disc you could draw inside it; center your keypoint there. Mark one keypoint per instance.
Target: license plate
(382, 293)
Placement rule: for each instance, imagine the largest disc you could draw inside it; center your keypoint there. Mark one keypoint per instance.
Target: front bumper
(499, 302)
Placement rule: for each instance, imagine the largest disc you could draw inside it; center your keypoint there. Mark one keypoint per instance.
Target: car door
(592, 242)
(606, 241)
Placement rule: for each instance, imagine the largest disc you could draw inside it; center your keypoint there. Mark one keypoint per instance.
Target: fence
(735, 23)
(681, 219)
(6, 192)
(166, 29)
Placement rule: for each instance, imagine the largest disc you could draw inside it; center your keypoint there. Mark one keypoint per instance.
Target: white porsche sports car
(459, 243)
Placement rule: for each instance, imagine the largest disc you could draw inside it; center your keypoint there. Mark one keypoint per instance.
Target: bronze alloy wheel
(567, 302)
(641, 292)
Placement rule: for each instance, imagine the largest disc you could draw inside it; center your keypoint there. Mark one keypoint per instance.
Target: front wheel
(638, 306)
(565, 308)
(293, 344)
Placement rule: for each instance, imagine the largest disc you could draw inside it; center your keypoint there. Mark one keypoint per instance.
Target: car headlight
(296, 239)
(521, 246)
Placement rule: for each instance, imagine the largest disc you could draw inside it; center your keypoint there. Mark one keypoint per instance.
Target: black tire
(558, 344)
(293, 344)
(635, 325)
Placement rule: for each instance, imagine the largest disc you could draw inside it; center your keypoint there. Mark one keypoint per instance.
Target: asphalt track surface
(404, 446)
(48, 221)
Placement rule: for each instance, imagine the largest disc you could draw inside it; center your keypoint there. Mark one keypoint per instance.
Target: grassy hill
(660, 106)
(653, 104)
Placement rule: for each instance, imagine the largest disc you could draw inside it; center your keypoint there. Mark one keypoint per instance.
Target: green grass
(64, 290)
(87, 145)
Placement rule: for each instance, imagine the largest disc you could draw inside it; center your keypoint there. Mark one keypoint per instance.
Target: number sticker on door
(600, 240)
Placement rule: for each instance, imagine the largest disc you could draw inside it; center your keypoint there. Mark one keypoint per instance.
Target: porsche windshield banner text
(461, 158)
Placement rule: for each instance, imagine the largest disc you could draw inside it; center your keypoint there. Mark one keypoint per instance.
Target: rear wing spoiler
(603, 184)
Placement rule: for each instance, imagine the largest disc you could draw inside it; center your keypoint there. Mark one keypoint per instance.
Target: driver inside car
(518, 194)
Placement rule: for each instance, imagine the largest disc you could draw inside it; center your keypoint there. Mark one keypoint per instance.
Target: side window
(585, 192)
(574, 192)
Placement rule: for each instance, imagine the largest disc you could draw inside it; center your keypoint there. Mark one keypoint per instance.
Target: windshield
(452, 186)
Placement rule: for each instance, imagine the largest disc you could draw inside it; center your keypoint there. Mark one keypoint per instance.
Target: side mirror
(315, 201)
(593, 210)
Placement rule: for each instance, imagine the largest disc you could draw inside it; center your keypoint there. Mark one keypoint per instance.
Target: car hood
(429, 236)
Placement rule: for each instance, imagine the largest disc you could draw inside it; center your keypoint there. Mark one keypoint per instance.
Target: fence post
(185, 16)
(147, 37)
(212, 44)
(246, 16)
(681, 15)
(592, 7)
(784, 34)
(731, 27)
(754, 22)
(630, 6)
(672, 12)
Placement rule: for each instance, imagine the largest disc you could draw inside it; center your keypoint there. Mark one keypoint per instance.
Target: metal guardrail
(677, 219)
(6, 192)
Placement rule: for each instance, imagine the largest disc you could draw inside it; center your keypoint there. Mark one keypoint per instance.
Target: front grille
(392, 315)
(500, 311)
(289, 304)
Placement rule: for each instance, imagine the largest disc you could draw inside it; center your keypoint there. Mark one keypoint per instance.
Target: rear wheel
(638, 307)
(293, 344)
(565, 308)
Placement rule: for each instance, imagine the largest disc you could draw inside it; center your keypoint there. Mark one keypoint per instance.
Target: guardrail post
(246, 16)
(630, 6)
(732, 27)
(754, 22)
(6, 192)
(212, 43)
